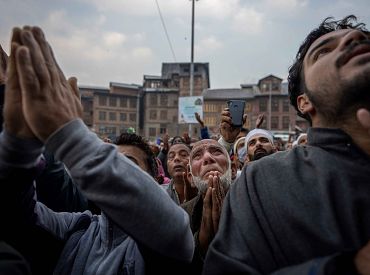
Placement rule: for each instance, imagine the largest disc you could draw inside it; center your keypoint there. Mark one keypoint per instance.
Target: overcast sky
(102, 41)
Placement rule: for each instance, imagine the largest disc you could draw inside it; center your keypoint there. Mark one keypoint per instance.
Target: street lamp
(192, 57)
(269, 124)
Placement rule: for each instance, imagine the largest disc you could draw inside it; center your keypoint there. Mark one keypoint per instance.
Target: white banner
(188, 106)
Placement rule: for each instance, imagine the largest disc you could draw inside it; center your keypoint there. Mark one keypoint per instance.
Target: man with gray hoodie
(42, 108)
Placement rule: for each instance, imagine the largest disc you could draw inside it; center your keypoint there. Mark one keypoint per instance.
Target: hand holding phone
(236, 109)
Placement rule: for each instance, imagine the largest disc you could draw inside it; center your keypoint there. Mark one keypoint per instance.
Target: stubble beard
(351, 94)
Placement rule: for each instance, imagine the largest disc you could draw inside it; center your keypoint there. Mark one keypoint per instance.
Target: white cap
(300, 137)
(261, 132)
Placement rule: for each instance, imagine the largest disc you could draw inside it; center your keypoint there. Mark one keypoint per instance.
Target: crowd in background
(241, 202)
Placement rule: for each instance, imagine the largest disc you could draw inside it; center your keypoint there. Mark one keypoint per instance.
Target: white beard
(202, 185)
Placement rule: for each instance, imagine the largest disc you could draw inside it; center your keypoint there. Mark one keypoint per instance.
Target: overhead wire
(165, 30)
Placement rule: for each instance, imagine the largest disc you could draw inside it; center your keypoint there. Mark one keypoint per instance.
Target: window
(163, 115)
(107, 130)
(153, 115)
(155, 84)
(162, 131)
(275, 86)
(123, 102)
(101, 130)
(210, 121)
(275, 105)
(164, 100)
(263, 104)
(102, 115)
(274, 122)
(153, 100)
(102, 100)
(110, 130)
(152, 132)
(133, 117)
(210, 108)
(122, 117)
(112, 116)
(286, 105)
(285, 122)
(132, 102)
(112, 101)
(174, 119)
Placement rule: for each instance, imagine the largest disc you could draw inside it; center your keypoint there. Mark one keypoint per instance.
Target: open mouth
(179, 167)
(260, 151)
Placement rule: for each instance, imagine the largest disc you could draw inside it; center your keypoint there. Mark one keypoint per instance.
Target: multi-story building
(161, 96)
(152, 109)
(111, 111)
(269, 96)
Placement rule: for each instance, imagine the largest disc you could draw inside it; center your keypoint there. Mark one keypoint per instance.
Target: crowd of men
(76, 204)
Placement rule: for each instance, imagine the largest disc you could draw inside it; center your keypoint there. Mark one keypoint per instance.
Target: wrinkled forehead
(205, 145)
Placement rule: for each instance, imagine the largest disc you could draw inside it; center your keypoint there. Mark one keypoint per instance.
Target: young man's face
(337, 71)
(135, 154)
(259, 146)
(177, 160)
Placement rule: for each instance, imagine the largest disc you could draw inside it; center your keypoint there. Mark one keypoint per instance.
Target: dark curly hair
(139, 142)
(296, 81)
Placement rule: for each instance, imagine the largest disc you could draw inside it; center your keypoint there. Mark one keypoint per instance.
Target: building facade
(111, 111)
(269, 97)
(161, 97)
(152, 109)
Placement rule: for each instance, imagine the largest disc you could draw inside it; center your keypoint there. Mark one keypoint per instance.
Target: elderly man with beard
(259, 143)
(306, 210)
(210, 170)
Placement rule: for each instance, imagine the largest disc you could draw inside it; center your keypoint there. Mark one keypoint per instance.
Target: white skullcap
(237, 142)
(261, 132)
(300, 137)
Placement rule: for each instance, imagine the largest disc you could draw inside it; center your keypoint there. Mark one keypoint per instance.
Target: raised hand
(218, 196)
(14, 120)
(259, 120)
(190, 190)
(212, 206)
(198, 118)
(3, 65)
(49, 101)
(227, 130)
(166, 138)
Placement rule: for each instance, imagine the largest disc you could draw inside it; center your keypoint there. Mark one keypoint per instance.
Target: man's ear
(304, 104)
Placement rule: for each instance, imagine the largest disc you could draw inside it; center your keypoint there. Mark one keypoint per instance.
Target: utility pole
(269, 124)
(192, 58)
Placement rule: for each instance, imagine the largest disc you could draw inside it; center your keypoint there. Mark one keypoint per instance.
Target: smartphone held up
(236, 109)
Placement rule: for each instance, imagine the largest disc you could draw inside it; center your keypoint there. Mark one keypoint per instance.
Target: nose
(176, 158)
(353, 37)
(258, 143)
(207, 158)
